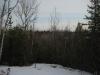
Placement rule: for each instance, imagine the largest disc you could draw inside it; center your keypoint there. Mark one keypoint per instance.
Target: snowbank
(41, 69)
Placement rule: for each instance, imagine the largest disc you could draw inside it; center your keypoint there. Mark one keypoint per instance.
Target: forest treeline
(71, 49)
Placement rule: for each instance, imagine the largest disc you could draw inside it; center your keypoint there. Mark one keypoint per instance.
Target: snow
(41, 69)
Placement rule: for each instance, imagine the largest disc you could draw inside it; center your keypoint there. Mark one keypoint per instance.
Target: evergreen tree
(79, 28)
(94, 17)
(94, 27)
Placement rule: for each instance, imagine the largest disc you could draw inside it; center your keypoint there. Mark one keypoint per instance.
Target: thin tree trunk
(2, 15)
(2, 42)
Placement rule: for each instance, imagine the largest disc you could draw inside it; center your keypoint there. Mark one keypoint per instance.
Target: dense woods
(61, 47)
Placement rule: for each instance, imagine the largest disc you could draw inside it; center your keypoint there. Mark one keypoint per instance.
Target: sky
(70, 13)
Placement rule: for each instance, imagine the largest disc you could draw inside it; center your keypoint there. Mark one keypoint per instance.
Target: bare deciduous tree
(54, 20)
(27, 12)
(6, 11)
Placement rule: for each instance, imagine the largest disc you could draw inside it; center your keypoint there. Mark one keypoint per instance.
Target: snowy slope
(42, 69)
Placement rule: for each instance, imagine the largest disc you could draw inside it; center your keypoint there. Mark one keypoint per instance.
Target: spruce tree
(94, 27)
(94, 16)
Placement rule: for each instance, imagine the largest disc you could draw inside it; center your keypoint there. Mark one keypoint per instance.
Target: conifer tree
(94, 16)
(94, 28)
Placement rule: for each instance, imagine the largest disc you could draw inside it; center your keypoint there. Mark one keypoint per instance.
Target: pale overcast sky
(70, 12)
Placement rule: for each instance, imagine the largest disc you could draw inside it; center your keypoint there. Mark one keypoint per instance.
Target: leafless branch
(27, 12)
(54, 20)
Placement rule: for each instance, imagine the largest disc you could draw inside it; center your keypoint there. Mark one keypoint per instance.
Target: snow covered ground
(42, 69)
